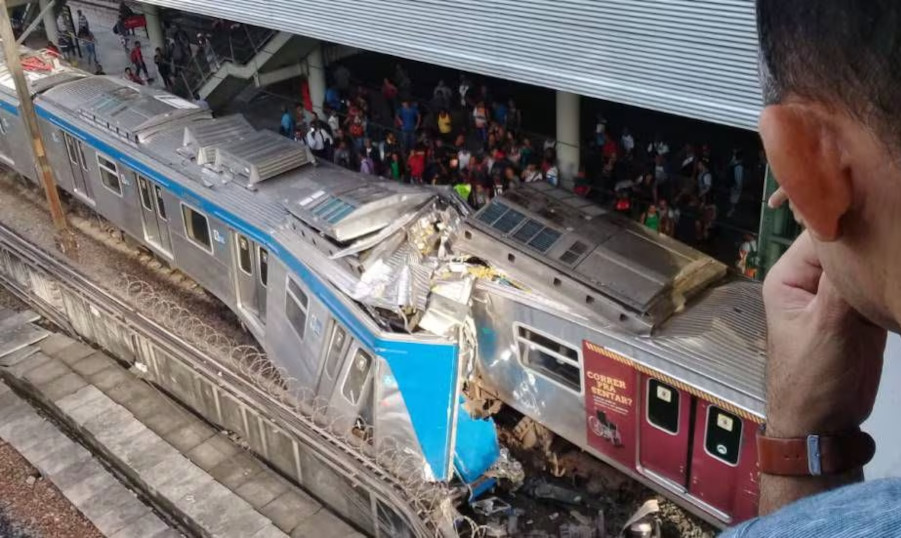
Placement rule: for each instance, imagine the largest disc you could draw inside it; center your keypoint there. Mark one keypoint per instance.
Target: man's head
(831, 78)
(137, 44)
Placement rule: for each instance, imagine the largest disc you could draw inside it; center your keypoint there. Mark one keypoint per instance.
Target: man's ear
(804, 152)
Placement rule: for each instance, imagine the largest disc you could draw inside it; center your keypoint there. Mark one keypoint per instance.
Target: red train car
(696, 446)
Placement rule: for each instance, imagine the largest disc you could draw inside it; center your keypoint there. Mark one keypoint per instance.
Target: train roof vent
(347, 208)
(575, 251)
(201, 139)
(518, 227)
(636, 269)
(260, 156)
(136, 112)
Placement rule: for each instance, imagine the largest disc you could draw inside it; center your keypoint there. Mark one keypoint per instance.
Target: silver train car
(409, 314)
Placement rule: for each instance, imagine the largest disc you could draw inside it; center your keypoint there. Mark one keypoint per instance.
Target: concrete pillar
(154, 31)
(50, 27)
(316, 79)
(567, 137)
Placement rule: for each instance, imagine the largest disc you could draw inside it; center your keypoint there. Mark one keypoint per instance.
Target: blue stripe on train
(426, 373)
(9, 108)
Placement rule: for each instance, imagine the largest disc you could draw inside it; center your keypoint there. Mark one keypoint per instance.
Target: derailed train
(408, 313)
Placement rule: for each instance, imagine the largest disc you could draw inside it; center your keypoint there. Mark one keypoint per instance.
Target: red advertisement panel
(611, 403)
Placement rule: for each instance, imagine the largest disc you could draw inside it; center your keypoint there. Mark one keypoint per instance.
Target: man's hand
(824, 364)
(825, 359)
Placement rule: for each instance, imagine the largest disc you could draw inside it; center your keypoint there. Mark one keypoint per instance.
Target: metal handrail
(200, 70)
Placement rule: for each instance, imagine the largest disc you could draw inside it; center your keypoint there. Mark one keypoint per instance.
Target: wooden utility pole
(14, 65)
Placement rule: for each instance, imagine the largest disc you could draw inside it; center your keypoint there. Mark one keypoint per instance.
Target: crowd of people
(470, 139)
(79, 46)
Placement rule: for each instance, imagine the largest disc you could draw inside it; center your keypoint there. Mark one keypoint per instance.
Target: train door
(352, 398)
(252, 274)
(154, 216)
(664, 431)
(80, 174)
(335, 350)
(724, 461)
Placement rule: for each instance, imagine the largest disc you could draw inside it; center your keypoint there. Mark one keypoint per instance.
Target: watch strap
(814, 455)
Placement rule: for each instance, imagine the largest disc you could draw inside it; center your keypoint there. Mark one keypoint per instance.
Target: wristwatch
(814, 455)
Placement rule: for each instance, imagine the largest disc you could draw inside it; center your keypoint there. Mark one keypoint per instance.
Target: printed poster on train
(611, 401)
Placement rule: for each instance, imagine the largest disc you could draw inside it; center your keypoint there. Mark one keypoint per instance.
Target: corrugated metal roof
(722, 338)
(694, 58)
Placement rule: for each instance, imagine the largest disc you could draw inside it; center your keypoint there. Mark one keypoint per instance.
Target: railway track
(275, 423)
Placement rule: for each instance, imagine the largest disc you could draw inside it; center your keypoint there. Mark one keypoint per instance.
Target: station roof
(692, 58)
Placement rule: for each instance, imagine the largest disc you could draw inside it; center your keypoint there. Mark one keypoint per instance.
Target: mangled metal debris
(643, 523)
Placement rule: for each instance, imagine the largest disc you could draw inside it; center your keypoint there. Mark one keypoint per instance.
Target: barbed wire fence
(253, 365)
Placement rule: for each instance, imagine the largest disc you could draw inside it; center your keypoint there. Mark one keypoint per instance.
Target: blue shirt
(333, 98)
(288, 124)
(866, 510)
(408, 118)
(500, 113)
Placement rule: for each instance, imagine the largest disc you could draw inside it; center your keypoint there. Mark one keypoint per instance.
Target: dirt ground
(31, 507)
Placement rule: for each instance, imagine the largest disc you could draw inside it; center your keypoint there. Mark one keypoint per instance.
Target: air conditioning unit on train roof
(201, 140)
(346, 206)
(135, 113)
(560, 244)
(262, 156)
(231, 145)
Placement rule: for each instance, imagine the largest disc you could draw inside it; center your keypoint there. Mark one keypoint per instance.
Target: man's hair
(843, 53)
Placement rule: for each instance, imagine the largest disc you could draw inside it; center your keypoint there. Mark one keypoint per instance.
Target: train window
(296, 308)
(71, 149)
(723, 438)
(356, 376)
(550, 358)
(663, 406)
(244, 261)
(84, 162)
(332, 360)
(144, 187)
(160, 205)
(197, 227)
(109, 174)
(263, 259)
